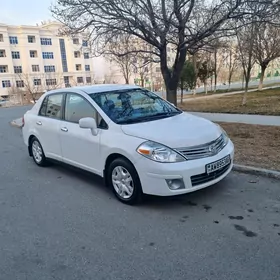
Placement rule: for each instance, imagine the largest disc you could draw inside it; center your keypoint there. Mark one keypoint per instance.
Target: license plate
(217, 165)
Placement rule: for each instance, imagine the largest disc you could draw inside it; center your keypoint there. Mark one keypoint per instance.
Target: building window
(31, 39)
(88, 80)
(17, 69)
(86, 55)
(85, 43)
(35, 68)
(2, 53)
(80, 80)
(13, 40)
(1, 38)
(37, 82)
(63, 55)
(77, 54)
(50, 82)
(46, 41)
(49, 68)
(78, 67)
(87, 67)
(6, 83)
(15, 55)
(3, 68)
(66, 81)
(20, 84)
(33, 53)
(76, 41)
(47, 55)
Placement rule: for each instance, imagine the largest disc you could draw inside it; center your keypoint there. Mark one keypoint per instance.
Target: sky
(25, 12)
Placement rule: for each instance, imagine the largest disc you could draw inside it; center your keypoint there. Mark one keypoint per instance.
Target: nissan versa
(136, 140)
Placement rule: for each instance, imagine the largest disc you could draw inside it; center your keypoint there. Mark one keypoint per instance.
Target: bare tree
(31, 85)
(120, 52)
(245, 39)
(232, 61)
(266, 47)
(184, 24)
(206, 69)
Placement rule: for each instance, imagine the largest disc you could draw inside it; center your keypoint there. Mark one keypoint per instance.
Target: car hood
(183, 130)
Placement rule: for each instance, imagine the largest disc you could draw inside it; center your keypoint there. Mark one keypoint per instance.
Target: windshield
(133, 106)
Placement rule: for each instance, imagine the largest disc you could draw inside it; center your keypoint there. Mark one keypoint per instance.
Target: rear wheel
(37, 152)
(124, 181)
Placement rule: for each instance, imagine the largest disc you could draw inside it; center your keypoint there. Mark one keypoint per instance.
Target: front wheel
(37, 152)
(124, 181)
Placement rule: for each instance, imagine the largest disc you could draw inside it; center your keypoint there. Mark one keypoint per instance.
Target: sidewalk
(240, 118)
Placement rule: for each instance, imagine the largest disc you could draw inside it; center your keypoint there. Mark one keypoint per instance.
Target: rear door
(47, 125)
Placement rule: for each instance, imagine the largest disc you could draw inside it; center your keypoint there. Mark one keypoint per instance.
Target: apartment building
(37, 58)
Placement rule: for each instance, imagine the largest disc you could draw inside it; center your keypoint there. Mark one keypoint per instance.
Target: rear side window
(43, 109)
(52, 106)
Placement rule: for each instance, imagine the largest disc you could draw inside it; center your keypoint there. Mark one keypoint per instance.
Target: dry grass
(265, 102)
(222, 91)
(255, 145)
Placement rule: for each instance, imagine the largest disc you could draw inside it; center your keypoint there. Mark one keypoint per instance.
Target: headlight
(158, 152)
(224, 135)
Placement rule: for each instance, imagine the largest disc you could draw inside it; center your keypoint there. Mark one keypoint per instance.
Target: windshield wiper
(149, 117)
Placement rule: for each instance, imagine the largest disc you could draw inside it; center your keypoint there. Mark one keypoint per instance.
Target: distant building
(37, 58)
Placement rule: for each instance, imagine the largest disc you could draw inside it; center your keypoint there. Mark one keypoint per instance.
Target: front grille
(205, 150)
(205, 178)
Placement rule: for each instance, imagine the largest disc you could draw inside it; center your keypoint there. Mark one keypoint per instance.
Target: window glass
(54, 106)
(43, 109)
(134, 105)
(76, 108)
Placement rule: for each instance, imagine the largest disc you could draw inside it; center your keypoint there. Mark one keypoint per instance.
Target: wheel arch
(29, 144)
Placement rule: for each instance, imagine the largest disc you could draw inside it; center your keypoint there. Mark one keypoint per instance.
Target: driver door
(79, 147)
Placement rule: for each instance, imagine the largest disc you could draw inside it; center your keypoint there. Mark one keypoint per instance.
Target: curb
(256, 171)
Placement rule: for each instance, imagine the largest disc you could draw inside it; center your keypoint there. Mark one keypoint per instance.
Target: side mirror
(89, 123)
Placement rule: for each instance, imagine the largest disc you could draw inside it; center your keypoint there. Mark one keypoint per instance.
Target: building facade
(36, 58)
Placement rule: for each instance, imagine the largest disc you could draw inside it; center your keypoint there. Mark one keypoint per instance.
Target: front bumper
(154, 175)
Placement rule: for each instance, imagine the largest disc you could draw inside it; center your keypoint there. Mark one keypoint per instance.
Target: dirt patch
(255, 145)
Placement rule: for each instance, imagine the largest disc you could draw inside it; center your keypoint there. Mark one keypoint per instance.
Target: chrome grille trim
(202, 151)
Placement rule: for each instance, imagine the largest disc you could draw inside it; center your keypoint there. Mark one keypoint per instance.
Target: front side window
(134, 106)
(76, 108)
(52, 106)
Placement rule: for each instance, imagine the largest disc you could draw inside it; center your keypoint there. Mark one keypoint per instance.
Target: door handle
(65, 129)
(39, 123)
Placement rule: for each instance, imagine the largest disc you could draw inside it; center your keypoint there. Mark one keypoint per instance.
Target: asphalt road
(58, 223)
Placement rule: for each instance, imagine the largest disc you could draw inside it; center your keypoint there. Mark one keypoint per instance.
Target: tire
(37, 152)
(124, 181)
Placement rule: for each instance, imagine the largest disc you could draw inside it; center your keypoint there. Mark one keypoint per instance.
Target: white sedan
(136, 140)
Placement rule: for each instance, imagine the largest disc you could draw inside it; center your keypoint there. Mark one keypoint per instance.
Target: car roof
(97, 88)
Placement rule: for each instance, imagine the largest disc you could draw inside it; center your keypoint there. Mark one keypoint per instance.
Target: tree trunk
(263, 68)
(182, 91)
(171, 95)
(247, 80)
(215, 71)
(142, 82)
(205, 87)
(195, 72)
